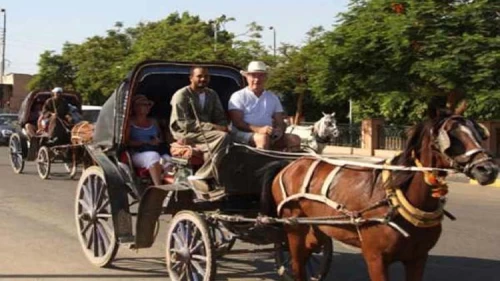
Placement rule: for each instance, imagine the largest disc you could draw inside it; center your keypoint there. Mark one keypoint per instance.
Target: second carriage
(44, 150)
(203, 225)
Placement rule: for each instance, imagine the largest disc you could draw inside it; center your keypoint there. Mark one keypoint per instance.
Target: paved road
(38, 239)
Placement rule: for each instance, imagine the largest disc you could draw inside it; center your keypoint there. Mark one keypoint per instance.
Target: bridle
(441, 143)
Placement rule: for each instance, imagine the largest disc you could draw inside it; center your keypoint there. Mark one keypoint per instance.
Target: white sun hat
(255, 67)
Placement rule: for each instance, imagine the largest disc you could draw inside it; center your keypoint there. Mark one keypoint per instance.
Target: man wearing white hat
(56, 114)
(257, 115)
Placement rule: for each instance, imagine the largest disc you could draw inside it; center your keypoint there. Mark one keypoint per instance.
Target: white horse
(318, 135)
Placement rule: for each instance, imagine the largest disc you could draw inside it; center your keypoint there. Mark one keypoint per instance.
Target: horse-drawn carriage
(203, 225)
(41, 147)
(391, 210)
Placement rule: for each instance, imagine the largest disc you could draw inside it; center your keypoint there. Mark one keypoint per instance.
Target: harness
(395, 198)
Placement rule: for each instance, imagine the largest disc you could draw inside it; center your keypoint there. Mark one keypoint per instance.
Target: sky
(35, 26)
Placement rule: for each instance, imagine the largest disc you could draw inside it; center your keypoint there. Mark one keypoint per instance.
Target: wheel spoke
(193, 237)
(85, 228)
(198, 267)
(104, 235)
(176, 264)
(90, 240)
(103, 216)
(199, 257)
(178, 242)
(96, 242)
(109, 230)
(84, 204)
(100, 195)
(196, 247)
(105, 204)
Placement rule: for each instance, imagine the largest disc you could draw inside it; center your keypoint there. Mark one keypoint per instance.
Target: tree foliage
(389, 57)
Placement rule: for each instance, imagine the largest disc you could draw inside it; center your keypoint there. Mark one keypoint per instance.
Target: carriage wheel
(189, 253)
(94, 221)
(223, 239)
(43, 162)
(317, 265)
(16, 153)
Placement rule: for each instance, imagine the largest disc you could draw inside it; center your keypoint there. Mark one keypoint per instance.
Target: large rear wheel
(16, 153)
(94, 220)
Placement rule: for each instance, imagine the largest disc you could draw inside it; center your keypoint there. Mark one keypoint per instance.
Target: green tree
(55, 70)
(390, 56)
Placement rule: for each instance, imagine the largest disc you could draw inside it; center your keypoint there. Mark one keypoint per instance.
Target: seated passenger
(144, 137)
(31, 126)
(257, 114)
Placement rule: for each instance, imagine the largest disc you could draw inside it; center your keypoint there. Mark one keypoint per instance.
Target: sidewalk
(459, 177)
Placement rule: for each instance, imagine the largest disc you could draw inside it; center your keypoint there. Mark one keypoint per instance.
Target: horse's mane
(413, 147)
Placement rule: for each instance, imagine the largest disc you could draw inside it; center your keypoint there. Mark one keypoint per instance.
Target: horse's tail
(267, 174)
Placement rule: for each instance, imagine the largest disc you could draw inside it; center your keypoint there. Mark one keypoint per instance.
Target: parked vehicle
(90, 113)
(8, 123)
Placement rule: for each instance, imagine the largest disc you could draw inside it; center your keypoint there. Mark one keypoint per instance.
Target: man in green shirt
(199, 118)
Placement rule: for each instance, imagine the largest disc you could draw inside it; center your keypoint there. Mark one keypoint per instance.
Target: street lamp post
(3, 41)
(274, 39)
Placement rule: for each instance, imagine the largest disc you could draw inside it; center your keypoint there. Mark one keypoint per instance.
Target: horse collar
(410, 213)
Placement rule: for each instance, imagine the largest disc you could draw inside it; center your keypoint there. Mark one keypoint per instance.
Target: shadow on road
(346, 267)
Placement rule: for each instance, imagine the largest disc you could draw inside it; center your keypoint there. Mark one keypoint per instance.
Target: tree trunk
(300, 108)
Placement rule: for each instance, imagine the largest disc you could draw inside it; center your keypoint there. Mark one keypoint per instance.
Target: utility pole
(350, 125)
(3, 42)
(274, 40)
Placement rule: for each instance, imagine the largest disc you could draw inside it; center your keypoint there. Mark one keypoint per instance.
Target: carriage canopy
(158, 80)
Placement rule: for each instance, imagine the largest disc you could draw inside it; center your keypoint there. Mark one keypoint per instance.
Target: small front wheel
(189, 249)
(317, 264)
(43, 162)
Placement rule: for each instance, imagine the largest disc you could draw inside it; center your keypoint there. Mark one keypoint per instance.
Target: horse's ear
(333, 114)
(324, 114)
(455, 101)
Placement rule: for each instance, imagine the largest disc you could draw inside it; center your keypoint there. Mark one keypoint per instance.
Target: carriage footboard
(150, 209)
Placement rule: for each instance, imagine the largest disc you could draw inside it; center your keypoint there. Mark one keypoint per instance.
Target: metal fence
(392, 137)
(349, 135)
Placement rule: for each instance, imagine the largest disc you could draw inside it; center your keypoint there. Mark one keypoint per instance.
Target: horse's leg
(298, 253)
(415, 268)
(377, 268)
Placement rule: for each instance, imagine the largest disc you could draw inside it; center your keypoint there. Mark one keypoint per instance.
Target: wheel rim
(94, 220)
(189, 252)
(43, 162)
(317, 265)
(16, 154)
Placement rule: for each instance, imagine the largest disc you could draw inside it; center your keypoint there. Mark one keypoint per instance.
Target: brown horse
(412, 200)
